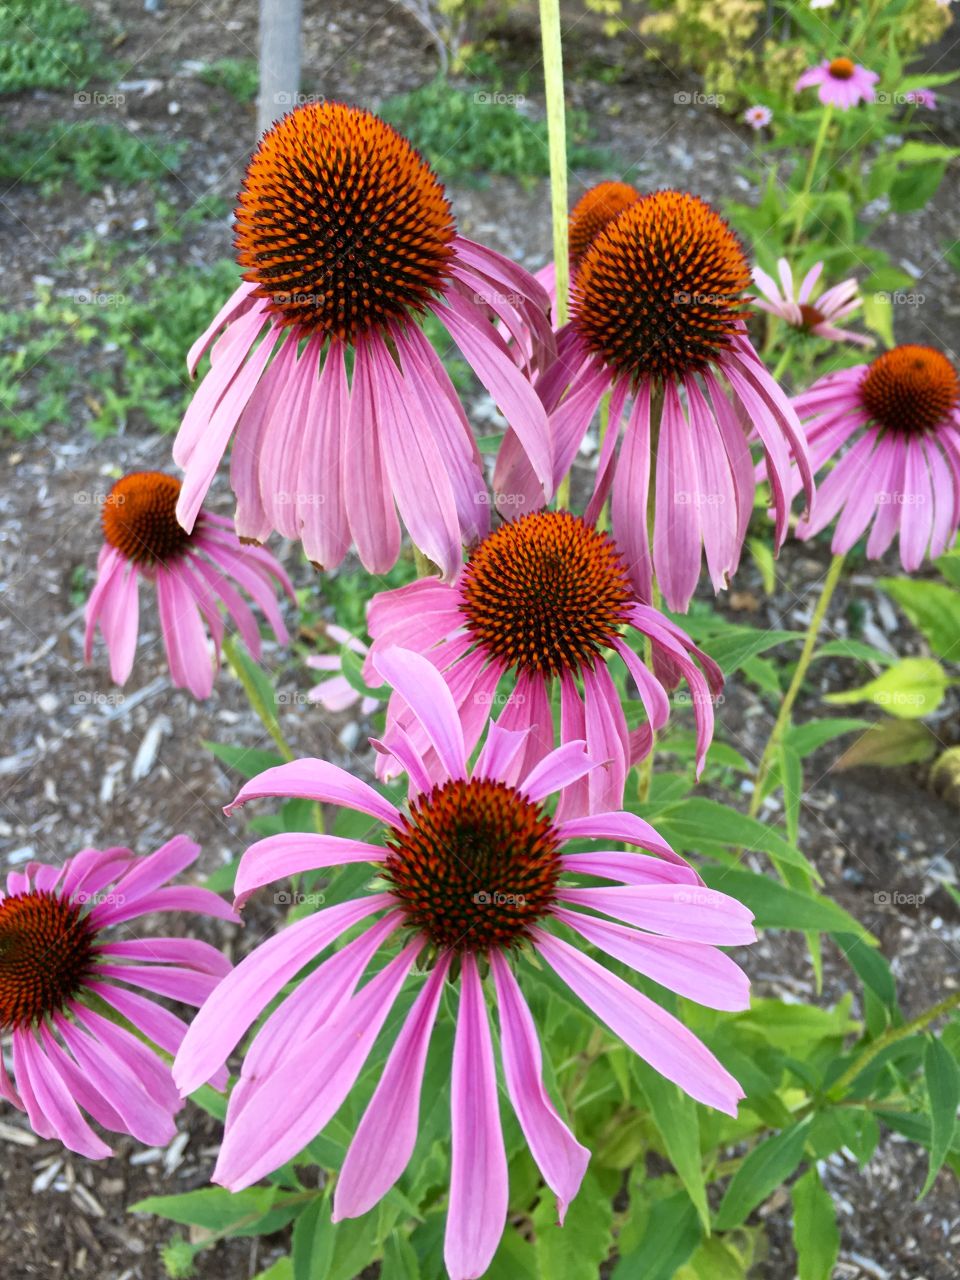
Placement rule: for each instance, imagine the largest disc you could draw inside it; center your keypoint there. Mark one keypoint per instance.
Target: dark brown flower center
(546, 593)
(810, 316)
(910, 389)
(842, 69)
(46, 953)
(341, 222)
(658, 292)
(475, 865)
(140, 518)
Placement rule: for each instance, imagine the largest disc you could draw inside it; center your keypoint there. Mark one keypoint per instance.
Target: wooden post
(279, 60)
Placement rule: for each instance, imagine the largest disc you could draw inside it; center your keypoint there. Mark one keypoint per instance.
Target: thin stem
(645, 767)
(806, 655)
(801, 200)
(919, 1023)
(781, 364)
(557, 144)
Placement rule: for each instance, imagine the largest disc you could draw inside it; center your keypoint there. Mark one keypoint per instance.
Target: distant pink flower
(546, 598)
(475, 873)
(757, 117)
(800, 311)
(657, 308)
(348, 243)
(922, 98)
(337, 693)
(59, 967)
(194, 574)
(901, 472)
(842, 83)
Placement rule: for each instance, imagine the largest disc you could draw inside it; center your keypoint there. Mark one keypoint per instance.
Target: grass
(88, 153)
(465, 135)
(240, 77)
(47, 44)
(141, 379)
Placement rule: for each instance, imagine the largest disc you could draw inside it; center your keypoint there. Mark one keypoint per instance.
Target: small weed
(46, 44)
(88, 153)
(240, 77)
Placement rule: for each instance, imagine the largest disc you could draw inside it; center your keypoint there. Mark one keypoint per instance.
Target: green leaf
(791, 779)
(221, 1212)
(878, 317)
(732, 647)
(942, 1076)
(762, 552)
(815, 1232)
(889, 743)
(856, 649)
(915, 186)
(671, 1234)
(256, 685)
(810, 737)
(933, 609)
(912, 688)
(314, 1239)
(777, 906)
(764, 1169)
(707, 826)
(675, 1115)
(247, 761)
(578, 1248)
(399, 1259)
(923, 153)
(870, 967)
(351, 665)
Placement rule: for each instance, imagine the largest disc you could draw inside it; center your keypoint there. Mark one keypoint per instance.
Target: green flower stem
(919, 1023)
(781, 364)
(557, 141)
(645, 767)
(806, 655)
(815, 154)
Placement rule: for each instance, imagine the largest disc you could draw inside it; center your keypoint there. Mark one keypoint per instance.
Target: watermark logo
(290, 898)
(691, 98)
(894, 898)
(493, 898)
(90, 98)
(483, 99)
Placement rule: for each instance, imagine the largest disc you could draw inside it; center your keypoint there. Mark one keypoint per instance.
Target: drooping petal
(311, 779)
(425, 691)
(688, 913)
(288, 854)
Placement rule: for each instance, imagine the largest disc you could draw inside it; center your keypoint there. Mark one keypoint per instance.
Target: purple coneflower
(348, 243)
(757, 117)
(476, 880)
(842, 83)
(59, 967)
(657, 312)
(901, 472)
(194, 574)
(922, 98)
(548, 599)
(799, 309)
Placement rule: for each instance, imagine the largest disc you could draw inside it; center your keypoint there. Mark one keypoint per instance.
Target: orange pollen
(342, 224)
(546, 593)
(139, 518)
(474, 865)
(910, 389)
(657, 294)
(841, 69)
(594, 210)
(46, 954)
(810, 316)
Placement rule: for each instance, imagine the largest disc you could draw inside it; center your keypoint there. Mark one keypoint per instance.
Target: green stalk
(783, 718)
(919, 1023)
(557, 141)
(808, 181)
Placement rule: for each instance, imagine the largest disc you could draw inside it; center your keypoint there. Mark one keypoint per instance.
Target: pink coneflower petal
(630, 495)
(679, 966)
(285, 1112)
(650, 1031)
(245, 993)
(559, 769)
(629, 868)
(675, 911)
(386, 1135)
(676, 530)
(560, 1158)
(916, 520)
(424, 690)
(478, 1171)
(628, 827)
(316, 780)
(54, 1100)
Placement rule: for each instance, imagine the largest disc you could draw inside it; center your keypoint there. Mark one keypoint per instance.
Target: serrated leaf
(942, 1078)
(890, 743)
(912, 688)
(815, 1232)
(763, 1170)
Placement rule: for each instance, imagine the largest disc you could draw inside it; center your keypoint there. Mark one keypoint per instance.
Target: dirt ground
(80, 764)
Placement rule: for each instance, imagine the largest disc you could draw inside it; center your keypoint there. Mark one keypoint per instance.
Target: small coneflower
(548, 599)
(841, 83)
(657, 311)
(71, 1002)
(922, 98)
(336, 693)
(348, 242)
(900, 417)
(758, 116)
(194, 574)
(476, 879)
(799, 309)
(597, 206)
